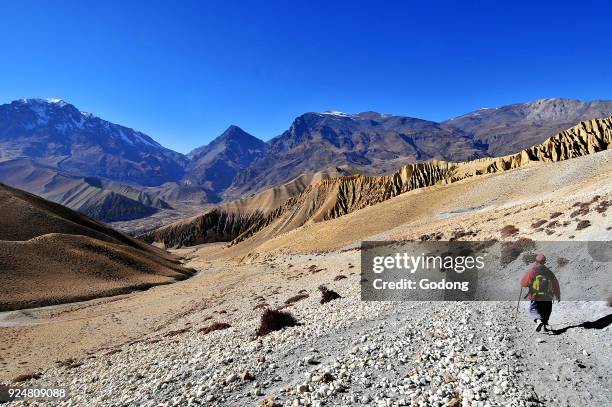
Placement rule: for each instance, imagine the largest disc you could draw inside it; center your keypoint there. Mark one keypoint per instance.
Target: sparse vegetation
(339, 277)
(529, 258)
(555, 215)
(275, 320)
(26, 377)
(583, 209)
(510, 251)
(176, 332)
(314, 269)
(603, 206)
(459, 233)
(328, 295)
(72, 363)
(296, 298)
(508, 231)
(562, 262)
(583, 224)
(432, 236)
(215, 326)
(538, 223)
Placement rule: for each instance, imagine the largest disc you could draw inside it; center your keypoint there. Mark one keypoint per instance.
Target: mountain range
(112, 172)
(333, 197)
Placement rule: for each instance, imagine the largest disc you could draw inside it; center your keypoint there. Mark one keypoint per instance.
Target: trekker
(543, 288)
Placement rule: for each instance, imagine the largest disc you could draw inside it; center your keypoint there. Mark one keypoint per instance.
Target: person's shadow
(601, 323)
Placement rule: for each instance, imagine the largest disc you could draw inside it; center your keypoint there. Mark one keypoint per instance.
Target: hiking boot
(540, 325)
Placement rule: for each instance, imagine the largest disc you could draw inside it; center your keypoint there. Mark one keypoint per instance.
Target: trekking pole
(518, 303)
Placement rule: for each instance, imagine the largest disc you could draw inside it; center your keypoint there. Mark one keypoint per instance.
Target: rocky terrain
(335, 197)
(346, 352)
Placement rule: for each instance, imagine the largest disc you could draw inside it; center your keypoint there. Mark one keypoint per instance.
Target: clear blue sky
(183, 71)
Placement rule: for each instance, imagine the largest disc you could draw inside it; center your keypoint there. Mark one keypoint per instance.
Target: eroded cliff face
(335, 197)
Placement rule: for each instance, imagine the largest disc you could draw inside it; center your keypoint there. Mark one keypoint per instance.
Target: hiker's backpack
(542, 286)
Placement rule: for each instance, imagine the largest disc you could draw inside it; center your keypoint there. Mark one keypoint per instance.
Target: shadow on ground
(601, 323)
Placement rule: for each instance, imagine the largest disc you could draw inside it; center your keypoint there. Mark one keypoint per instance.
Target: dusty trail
(465, 351)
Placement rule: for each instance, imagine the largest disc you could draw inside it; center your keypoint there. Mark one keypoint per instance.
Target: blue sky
(183, 71)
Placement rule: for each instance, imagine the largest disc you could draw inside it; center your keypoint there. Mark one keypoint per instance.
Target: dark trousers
(540, 310)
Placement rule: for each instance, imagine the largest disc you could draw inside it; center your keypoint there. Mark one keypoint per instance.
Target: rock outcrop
(335, 197)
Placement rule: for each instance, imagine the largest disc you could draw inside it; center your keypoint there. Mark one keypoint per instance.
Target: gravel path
(349, 352)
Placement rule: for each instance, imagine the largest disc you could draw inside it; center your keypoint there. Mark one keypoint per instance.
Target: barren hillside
(50, 254)
(335, 197)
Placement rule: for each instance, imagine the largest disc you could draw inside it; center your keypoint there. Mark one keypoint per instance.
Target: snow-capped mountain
(54, 132)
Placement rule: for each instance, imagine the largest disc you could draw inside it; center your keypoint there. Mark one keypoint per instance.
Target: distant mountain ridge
(368, 142)
(508, 129)
(55, 134)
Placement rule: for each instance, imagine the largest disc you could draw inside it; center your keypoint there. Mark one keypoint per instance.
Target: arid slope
(50, 254)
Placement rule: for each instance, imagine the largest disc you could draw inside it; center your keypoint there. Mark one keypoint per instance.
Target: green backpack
(542, 287)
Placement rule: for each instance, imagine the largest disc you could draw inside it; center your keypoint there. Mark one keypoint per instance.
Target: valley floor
(344, 352)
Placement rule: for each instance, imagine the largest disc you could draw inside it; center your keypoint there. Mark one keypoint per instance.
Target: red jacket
(528, 278)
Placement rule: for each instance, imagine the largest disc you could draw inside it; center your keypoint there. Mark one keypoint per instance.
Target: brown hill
(335, 197)
(225, 222)
(50, 254)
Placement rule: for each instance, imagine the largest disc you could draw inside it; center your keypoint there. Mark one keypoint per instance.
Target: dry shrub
(562, 262)
(555, 215)
(510, 251)
(460, 233)
(328, 295)
(553, 224)
(339, 277)
(72, 363)
(508, 230)
(583, 210)
(296, 298)
(275, 320)
(26, 377)
(583, 224)
(538, 223)
(529, 258)
(433, 236)
(215, 326)
(603, 206)
(176, 332)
